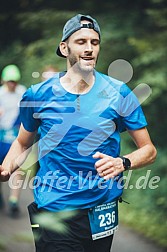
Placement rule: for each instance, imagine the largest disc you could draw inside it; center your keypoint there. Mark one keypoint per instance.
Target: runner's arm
(146, 151)
(17, 154)
(109, 167)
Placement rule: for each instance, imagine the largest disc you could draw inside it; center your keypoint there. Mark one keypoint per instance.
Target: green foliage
(151, 224)
(3, 242)
(55, 221)
(148, 206)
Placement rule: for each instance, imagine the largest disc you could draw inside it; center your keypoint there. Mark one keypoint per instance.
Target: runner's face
(83, 49)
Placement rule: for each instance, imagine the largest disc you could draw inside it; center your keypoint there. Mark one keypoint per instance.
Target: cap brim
(58, 52)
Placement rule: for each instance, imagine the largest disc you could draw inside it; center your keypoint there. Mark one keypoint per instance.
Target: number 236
(106, 219)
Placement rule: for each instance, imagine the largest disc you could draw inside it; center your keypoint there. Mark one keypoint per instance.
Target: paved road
(17, 237)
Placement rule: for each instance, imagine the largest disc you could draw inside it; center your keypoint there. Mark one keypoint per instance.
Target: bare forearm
(142, 156)
(15, 157)
(17, 153)
(109, 167)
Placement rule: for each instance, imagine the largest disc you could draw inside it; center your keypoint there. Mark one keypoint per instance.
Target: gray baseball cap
(74, 24)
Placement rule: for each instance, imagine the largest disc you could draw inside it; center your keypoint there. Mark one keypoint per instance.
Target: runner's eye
(95, 42)
(80, 41)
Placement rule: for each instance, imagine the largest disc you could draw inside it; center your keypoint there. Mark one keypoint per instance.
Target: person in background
(81, 116)
(10, 95)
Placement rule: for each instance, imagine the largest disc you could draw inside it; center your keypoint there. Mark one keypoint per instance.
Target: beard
(77, 66)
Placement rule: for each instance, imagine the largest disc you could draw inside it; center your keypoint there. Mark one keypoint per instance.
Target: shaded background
(135, 31)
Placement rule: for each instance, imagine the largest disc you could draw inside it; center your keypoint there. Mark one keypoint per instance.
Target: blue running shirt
(72, 128)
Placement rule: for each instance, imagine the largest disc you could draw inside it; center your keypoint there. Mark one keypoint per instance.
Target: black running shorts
(77, 239)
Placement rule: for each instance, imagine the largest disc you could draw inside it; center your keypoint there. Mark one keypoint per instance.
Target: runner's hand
(4, 175)
(108, 167)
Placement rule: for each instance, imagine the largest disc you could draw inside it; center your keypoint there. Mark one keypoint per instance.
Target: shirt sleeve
(131, 115)
(27, 110)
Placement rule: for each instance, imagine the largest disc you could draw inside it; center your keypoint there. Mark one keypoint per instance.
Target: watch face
(127, 163)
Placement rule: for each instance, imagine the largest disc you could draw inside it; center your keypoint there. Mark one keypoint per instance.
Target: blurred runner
(10, 94)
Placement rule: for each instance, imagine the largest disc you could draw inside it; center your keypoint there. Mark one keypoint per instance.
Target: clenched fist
(108, 167)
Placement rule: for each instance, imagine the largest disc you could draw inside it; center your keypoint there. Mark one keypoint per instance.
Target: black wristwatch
(126, 163)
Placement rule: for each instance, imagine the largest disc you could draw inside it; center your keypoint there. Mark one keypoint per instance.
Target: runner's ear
(63, 49)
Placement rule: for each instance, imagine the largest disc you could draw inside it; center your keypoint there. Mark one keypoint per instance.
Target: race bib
(103, 219)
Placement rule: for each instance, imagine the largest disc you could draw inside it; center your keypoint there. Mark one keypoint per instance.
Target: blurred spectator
(10, 94)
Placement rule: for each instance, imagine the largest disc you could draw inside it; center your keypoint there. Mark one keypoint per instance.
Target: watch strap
(126, 162)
